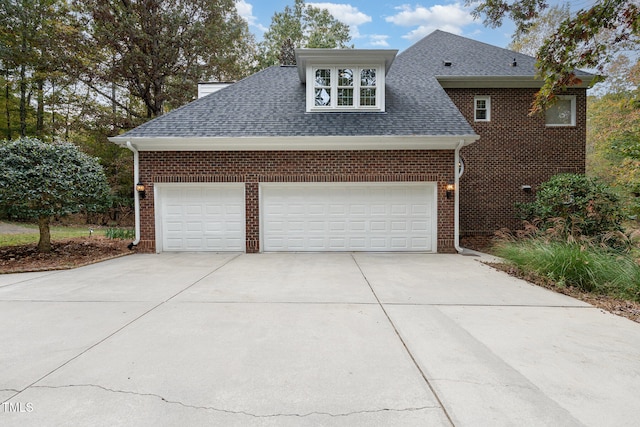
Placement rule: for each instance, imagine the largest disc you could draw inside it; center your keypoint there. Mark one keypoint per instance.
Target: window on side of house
(563, 112)
(344, 88)
(482, 108)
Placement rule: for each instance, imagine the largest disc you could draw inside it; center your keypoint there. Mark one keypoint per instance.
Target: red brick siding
(514, 150)
(253, 167)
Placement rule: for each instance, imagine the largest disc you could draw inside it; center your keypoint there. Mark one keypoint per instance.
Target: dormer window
(345, 88)
(342, 80)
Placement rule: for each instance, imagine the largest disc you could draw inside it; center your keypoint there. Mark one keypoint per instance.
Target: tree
(40, 180)
(613, 135)
(32, 42)
(304, 26)
(158, 50)
(541, 28)
(588, 39)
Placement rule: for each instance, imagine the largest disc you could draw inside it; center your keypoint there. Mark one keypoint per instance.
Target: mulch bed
(66, 254)
(628, 309)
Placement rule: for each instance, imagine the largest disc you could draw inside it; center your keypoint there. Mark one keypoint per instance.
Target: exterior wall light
(140, 189)
(526, 188)
(451, 187)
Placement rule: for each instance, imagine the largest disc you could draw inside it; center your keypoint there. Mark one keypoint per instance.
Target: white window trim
(571, 98)
(380, 86)
(487, 99)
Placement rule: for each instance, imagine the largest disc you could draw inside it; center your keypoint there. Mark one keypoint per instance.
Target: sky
(386, 24)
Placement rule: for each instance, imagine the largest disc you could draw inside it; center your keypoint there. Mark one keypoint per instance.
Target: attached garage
(200, 217)
(348, 217)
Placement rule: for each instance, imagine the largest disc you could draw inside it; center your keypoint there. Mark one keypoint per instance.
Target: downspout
(136, 196)
(456, 198)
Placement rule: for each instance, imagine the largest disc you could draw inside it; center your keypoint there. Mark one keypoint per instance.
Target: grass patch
(57, 233)
(589, 268)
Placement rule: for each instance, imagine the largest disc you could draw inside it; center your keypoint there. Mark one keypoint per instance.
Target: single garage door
(348, 217)
(200, 217)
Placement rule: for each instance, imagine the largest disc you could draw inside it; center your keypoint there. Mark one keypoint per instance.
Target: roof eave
(318, 56)
(305, 143)
(502, 81)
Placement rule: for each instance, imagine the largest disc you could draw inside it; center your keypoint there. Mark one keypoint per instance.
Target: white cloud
(451, 18)
(245, 10)
(346, 14)
(378, 40)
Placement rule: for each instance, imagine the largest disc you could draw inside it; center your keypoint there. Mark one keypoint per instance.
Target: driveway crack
(246, 413)
(155, 307)
(404, 344)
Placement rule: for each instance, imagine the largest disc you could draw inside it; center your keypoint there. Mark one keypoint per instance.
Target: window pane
(345, 97)
(481, 114)
(481, 104)
(345, 77)
(322, 97)
(323, 77)
(560, 113)
(368, 97)
(368, 77)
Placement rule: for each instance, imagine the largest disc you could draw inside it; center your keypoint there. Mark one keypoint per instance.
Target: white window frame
(334, 107)
(571, 98)
(487, 100)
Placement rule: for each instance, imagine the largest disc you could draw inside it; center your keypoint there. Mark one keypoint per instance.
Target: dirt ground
(68, 253)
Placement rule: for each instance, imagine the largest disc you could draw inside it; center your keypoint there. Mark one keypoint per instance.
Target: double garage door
(299, 217)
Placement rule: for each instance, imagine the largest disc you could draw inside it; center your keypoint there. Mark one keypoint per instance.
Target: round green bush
(582, 205)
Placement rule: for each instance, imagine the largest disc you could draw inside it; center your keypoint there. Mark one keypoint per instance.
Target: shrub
(587, 267)
(574, 205)
(120, 233)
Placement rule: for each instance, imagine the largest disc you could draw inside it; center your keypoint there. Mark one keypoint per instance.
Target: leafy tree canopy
(40, 180)
(586, 40)
(158, 50)
(305, 26)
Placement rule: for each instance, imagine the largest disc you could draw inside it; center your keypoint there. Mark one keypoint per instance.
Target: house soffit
(309, 57)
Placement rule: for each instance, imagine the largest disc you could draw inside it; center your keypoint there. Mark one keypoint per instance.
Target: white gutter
(456, 198)
(136, 196)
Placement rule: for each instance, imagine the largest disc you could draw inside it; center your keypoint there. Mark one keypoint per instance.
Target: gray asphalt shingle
(272, 102)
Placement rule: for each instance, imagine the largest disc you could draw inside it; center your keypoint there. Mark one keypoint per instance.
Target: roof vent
(447, 63)
(514, 63)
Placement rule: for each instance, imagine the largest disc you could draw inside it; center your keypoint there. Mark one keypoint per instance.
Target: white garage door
(200, 217)
(348, 217)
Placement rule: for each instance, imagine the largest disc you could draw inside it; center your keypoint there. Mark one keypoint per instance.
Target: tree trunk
(7, 93)
(23, 100)
(44, 244)
(40, 107)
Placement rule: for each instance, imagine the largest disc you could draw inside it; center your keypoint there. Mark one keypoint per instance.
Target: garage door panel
(380, 226)
(347, 217)
(378, 210)
(201, 217)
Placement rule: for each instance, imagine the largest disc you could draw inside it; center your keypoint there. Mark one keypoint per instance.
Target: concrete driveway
(308, 339)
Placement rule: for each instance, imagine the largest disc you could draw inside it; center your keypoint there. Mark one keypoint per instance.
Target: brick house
(355, 150)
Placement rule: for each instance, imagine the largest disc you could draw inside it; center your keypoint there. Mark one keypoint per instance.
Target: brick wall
(295, 166)
(514, 150)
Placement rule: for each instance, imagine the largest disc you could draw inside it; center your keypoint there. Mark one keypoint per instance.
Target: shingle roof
(271, 103)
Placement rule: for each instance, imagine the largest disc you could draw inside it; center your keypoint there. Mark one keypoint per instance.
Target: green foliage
(33, 40)
(589, 268)
(120, 233)
(44, 180)
(306, 26)
(584, 206)
(585, 40)
(158, 50)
